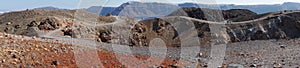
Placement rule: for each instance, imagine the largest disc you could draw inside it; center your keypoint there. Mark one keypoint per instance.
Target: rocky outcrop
(205, 14)
(276, 27)
(47, 24)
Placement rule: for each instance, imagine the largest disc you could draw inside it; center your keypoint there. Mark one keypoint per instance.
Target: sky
(11, 5)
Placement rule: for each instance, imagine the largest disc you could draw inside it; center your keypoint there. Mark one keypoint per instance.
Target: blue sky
(71, 4)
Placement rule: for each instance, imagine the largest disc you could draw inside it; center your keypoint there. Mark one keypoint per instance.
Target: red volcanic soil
(18, 52)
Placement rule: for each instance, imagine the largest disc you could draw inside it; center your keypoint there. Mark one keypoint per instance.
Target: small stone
(5, 35)
(277, 66)
(253, 65)
(205, 65)
(46, 49)
(14, 63)
(16, 60)
(154, 66)
(3, 60)
(33, 37)
(99, 40)
(201, 54)
(55, 63)
(282, 46)
(255, 59)
(14, 56)
(234, 66)
(9, 23)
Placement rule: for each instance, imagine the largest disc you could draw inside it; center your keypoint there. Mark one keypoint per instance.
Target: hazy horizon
(76, 4)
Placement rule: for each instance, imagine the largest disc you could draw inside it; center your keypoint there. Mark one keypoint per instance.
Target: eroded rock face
(140, 34)
(278, 27)
(138, 37)
(148, 30)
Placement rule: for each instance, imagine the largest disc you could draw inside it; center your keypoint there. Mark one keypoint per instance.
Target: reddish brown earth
(18, 52)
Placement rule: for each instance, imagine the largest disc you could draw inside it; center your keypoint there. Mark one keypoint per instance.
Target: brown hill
(42, 22)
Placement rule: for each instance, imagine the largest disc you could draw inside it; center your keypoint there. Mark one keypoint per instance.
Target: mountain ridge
(141, 10)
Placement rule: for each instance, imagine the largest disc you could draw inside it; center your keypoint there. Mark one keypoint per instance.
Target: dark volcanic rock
(49, 24)
(205, 14)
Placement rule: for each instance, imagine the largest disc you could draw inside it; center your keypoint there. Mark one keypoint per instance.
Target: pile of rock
(67, 32)
(49, 24)
(138, 37)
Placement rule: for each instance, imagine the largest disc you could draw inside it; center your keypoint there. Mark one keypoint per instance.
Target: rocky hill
(45, 22)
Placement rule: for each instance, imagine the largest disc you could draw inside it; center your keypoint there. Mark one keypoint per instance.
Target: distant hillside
(144, 10)
(101, 10)
(255, 8)
(48, 8)
(150, 10)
